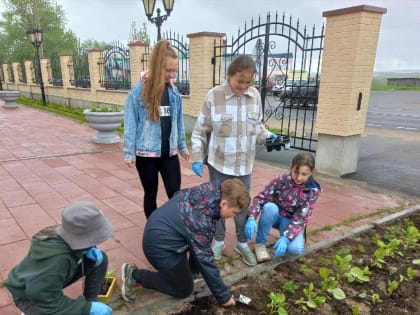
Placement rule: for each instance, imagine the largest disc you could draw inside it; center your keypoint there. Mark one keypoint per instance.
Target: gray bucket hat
(84, 225)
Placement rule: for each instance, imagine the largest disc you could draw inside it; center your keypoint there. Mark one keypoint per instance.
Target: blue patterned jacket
(200, 209)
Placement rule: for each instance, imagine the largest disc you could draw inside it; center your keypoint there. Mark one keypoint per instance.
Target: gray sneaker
(247, 255)
(128, 282)
(261, 252)
(218, 250)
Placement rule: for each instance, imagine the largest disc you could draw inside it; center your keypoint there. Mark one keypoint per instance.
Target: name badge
(165, 111)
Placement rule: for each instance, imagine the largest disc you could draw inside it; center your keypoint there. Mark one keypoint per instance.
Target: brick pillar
(138, 50)
(29, 70)
(16, 73)
(351, 39)
(67, 73)
(201, 69)
(93, 58)
(45, 62)
(6, 72)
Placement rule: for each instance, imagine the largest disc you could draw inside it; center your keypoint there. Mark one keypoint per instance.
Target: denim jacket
(142, 136)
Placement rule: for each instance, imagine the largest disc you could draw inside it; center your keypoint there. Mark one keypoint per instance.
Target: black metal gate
(114, 67)
(288, 71)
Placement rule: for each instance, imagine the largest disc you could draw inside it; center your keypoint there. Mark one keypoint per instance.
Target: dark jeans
(239, 218)
(177, 281)
(149, 169)
(94, 278)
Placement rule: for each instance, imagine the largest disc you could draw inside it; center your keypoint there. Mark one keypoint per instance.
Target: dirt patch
(378, 272)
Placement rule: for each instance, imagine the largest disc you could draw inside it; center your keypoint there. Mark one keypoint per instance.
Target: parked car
(298, 93)
(183, 87)
(57, 82)
(83, 81)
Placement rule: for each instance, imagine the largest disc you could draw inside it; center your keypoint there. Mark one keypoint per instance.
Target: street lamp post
(35, 36)
(149, 7)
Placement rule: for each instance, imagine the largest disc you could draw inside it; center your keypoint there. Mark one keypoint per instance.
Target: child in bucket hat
(59, 256)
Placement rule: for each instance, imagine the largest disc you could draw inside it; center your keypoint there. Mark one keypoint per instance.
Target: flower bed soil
(405, 299)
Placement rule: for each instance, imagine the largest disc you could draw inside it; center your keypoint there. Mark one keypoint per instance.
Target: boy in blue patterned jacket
(177, 241)
(285, 204)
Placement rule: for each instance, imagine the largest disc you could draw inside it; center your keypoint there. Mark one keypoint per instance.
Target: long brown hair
(154, 84)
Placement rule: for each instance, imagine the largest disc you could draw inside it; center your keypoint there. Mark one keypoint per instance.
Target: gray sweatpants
(240, 218)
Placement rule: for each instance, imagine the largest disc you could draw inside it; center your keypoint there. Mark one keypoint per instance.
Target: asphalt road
(389, 154)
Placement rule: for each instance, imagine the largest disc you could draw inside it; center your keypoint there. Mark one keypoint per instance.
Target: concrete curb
(168, 305)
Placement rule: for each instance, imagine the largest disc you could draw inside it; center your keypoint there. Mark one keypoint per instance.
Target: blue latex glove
(95, 254)
(280, 246)
(272, 136)
(198, 168)
(250, 228)
(99, 308)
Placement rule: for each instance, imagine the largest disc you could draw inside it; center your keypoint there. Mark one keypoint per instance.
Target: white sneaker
(261, 252)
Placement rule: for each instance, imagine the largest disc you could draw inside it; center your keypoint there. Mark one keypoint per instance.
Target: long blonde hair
(154, 84)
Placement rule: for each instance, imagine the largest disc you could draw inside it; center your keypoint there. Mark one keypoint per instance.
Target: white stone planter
(105, 123)
(9, 97)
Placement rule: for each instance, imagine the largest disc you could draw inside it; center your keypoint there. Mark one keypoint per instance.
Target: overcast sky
(109, 20)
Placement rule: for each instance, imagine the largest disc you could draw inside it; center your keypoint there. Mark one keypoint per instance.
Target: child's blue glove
(99, 308)
(198, 168)
(280, 246)
(250, 228)
(272, 136)
(95, 254)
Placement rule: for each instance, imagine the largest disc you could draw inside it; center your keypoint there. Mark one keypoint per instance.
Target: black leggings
(149, 169)
(176, 281)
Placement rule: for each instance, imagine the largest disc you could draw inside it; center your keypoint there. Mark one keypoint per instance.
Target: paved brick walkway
(47, 162)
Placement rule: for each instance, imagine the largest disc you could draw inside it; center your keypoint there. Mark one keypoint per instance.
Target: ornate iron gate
(183, 51)
(288, 70)
(114, 67)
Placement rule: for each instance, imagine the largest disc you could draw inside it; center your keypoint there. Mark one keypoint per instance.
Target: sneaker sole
(263, 259)
(123, 284)
(247, 263)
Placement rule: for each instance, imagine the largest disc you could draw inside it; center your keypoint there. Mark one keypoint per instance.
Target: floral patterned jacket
(294, 201)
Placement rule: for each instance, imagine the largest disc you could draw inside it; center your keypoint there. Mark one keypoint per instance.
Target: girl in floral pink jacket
(286, 204)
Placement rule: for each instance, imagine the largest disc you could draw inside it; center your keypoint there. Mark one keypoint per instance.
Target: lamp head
(168, 5)
(35, 36)
(149, 7)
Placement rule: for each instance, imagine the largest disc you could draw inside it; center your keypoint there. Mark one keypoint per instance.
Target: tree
(19, 17)
(138, 34)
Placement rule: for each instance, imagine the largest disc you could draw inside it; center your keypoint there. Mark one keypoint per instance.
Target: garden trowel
(242, 299)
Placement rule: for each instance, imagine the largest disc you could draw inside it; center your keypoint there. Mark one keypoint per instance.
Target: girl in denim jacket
(154, 131)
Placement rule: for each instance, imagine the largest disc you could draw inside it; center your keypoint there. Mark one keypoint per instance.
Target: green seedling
(385, 250)
(361, 249)
(343, 264)
(373, 298)
(290, 287)
(313, 300)
(355, 310)
(394, 231)
(305, 269)
(392, 286)
(277, 304)
(111, 273)
(411, 273)
(412, 237)
(358, 275)
(330, 284)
